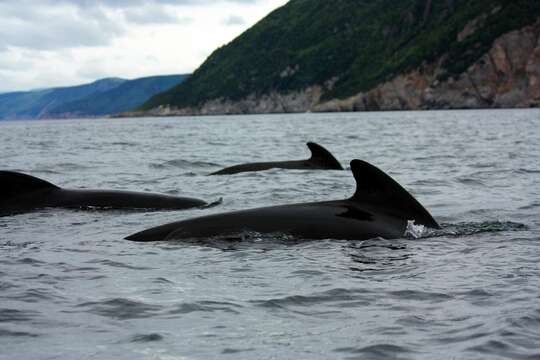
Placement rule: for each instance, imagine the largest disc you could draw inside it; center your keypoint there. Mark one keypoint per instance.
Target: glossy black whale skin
(21, 193)
(380, 207)
(321, 159)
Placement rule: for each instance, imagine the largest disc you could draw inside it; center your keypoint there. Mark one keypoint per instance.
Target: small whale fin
(14, 184)
(320, 155)
(376, 187)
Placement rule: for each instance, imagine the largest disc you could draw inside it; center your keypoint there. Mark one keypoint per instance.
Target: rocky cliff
(507, 76)
(427, 54)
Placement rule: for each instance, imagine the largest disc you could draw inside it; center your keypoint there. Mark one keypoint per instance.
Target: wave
(473, 228)
(121, 309)
(329, 296)
(34, 296)
(206, 306)
(145, 338)
(123, 143)
(118, 264)
(71, 166)
(9, 333)
(378, 351)
(182, 164)
(14, 315)
(126, 309)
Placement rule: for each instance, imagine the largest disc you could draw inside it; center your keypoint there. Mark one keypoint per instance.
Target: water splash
(414, 231)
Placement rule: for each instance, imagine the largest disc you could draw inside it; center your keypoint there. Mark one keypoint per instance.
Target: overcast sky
(45, 43)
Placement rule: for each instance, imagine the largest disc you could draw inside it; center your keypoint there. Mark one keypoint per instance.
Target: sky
(48, 43)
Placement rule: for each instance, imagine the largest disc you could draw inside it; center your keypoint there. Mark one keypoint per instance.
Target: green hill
(349, 45)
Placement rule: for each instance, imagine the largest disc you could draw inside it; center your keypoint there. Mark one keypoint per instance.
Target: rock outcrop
(507, 76)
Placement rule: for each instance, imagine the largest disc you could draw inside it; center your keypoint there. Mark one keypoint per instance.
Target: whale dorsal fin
(323, 157)
(376, 187)
(14, 183)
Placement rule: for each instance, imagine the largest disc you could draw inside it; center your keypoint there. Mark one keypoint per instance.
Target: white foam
(414, 231)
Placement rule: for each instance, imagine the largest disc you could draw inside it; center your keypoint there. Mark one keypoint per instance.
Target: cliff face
(274, 102)
(507, 76)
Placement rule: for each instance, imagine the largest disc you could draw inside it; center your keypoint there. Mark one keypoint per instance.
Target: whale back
(16, 184)
(322, 157)
(375, 187)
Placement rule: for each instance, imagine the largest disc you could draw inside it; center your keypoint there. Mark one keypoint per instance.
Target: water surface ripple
(71, 287)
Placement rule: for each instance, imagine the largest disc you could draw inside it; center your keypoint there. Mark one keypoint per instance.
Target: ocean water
(72, 288)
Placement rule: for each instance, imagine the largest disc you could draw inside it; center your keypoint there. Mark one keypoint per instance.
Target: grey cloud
(56, 37)
(136, 3)
(21, 80)
(45, 28)
(153, 15)
(91, 72)
(234, 20)
(56, 24)
(9, 62)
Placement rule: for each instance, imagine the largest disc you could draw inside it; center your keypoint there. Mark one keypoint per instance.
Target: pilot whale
(380, 207)
(21, 193)
(321, 159)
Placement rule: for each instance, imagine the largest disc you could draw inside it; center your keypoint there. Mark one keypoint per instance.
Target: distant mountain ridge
(101, 97)
(35, 104)
(344, 55)
(126, 96)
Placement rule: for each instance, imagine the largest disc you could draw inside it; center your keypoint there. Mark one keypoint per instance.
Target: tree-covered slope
(128, 95)
(349, 45)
